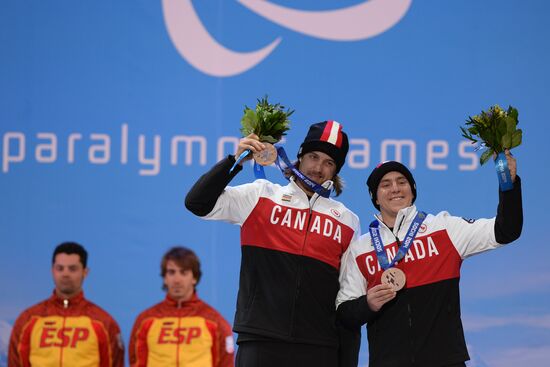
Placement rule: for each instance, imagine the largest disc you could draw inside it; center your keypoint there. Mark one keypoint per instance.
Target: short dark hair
(185, 258)
(71, 248)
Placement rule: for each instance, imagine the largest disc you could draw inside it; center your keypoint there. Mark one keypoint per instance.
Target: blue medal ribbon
(258, 168)
(259, 171)
(239, 159)
(313, 186)
(503, 173)
(379, 246)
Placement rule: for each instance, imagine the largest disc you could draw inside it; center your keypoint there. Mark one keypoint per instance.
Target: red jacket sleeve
(14, 359)
(117, 345)
(111, 349)
(138, 349)
(19, 348)
(226, 345)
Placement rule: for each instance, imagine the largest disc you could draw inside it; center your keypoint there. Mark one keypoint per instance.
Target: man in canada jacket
(292, 241)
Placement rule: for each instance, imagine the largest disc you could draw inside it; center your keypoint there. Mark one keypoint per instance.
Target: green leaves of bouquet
(269, 121)
(495, 128)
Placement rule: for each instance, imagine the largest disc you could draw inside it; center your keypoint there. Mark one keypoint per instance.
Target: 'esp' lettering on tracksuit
(65, 337)
(169, 334)
(181, 334)
(178, 341)
(64, 341)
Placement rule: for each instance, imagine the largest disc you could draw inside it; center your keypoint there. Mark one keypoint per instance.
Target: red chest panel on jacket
(430, 259)
(296, 231)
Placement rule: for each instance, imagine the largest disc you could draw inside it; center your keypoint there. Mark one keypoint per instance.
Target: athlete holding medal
(293, 237)
(402, 278)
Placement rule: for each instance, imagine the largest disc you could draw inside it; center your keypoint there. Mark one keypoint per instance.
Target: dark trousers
(281, 354)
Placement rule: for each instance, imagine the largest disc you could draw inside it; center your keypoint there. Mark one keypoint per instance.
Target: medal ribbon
(258, 168)
(239, 159)
(503, 173)
(259, 171)
(315, 187)
(379, 246)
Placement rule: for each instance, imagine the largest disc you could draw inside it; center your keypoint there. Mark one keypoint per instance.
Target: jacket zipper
(178, 346)
(409, 311)
(65, 307)
(311, 202)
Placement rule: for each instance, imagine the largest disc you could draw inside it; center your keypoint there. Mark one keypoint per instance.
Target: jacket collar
(402, 221)
(297, 189)
(169, 301)
(67, 302)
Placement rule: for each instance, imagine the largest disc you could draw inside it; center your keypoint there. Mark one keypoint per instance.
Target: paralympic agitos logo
(195, 44)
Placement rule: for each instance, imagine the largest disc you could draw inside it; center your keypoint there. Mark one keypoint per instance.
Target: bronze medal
(267, 156)
(395, 278)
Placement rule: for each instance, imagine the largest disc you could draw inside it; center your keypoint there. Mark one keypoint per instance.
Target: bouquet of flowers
(495, 129)
(269, 121)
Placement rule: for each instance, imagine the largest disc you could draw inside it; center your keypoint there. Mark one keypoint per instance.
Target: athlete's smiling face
(394, 193)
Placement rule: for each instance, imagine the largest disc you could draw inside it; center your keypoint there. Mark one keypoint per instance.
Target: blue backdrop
(110, 110)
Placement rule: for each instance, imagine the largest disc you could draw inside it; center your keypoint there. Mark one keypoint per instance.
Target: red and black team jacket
(65, 332)
(422, 325)
(291, 250)
(187, 334)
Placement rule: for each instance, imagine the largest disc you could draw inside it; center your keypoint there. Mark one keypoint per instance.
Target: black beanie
(379, 171)
(327, 137)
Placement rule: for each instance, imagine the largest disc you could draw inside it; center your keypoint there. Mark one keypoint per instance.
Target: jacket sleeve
(117, 345)
(355, 313)
(212, 199)
(132, 354)
(202, 197)
(349, 345)
(509, 220)
(15, 359)
(138, 349)
(20, 340)
(226, 345)
(471, 237)
(351, 302)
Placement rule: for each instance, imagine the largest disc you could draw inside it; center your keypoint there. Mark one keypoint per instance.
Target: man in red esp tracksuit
(66, 329)
(420, 324)
(292, 240)
(182, 330)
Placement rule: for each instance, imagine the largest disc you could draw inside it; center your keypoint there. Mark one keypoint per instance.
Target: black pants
(279, 354)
